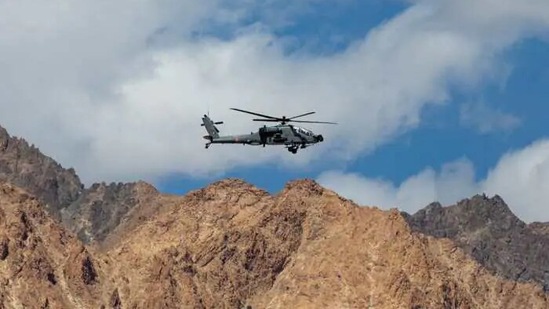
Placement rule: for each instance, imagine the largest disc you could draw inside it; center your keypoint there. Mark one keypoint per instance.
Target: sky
(434, 100)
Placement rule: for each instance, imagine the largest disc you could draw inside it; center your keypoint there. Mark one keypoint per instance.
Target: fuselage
(273, 135)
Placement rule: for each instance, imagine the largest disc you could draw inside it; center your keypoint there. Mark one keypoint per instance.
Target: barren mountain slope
(232, 245)
(91, 213)
(41, 265)
(100, 208)
(25, 166)
(488, 230)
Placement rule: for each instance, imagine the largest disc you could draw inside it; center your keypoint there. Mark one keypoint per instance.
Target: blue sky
(441, 136)
(326, 28)
(435, 100)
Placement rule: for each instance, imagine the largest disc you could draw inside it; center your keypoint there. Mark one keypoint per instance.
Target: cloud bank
(486, 119)
(116, 89)
(520, 178)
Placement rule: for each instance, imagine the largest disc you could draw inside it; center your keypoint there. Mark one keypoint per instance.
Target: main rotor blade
(305, 121)
(257, 114)
(309, 113)
(269, 120)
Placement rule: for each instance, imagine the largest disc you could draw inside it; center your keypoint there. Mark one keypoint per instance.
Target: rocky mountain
(90, 212)
(231, 245)
(41, 264)
(100, 208)
(486, 229)
(25, 166)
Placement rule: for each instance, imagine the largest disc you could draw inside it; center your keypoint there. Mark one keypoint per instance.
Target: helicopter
(292, 137)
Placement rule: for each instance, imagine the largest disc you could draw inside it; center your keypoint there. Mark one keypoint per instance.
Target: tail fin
(213, 132)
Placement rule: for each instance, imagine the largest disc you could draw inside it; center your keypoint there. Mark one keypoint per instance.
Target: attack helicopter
(290, 136)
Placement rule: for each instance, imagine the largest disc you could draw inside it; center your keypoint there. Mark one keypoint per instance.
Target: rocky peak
(102, 207)
(144, 188)
(91, 213)
(488, 230)
(25, 166)
(229, 184)
(305, 185)
(468, 215)
(230, 190)
(489, 210)
(541, 228)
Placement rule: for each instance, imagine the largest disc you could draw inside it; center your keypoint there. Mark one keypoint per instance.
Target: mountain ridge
(91, 212)
(231, 244)
(25, 166)
(489, 231)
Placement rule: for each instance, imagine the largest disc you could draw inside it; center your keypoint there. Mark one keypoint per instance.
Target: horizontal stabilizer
(219, 122)
(213, 132)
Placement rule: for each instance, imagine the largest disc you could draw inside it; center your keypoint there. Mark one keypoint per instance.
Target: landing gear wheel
(292, 149)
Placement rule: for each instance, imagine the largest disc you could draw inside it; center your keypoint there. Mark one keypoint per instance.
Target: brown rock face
(487, 230)
(92, 213)
(26, 167)
(38, 265)
(102, 207)
(232, 245)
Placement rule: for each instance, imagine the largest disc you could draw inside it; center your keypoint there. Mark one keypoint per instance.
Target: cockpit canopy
(304, 131)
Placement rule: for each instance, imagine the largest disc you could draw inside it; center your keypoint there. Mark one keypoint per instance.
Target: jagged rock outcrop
(91, 213)
(102, 207)
(25, 166)
(541, 228)
(486, 229)
(41, 264)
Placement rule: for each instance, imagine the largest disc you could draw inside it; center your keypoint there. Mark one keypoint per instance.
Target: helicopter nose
(319, 138)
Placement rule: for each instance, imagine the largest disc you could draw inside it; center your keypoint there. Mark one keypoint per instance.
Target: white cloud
(83, 82)
(487, 119)
(452, 183)
(520, 178)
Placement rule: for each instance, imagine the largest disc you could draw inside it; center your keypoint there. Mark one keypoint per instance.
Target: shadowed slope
(486, 229)
(25, 166)
(91, 213)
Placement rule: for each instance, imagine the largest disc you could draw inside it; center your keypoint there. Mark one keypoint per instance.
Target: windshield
(304, 131)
